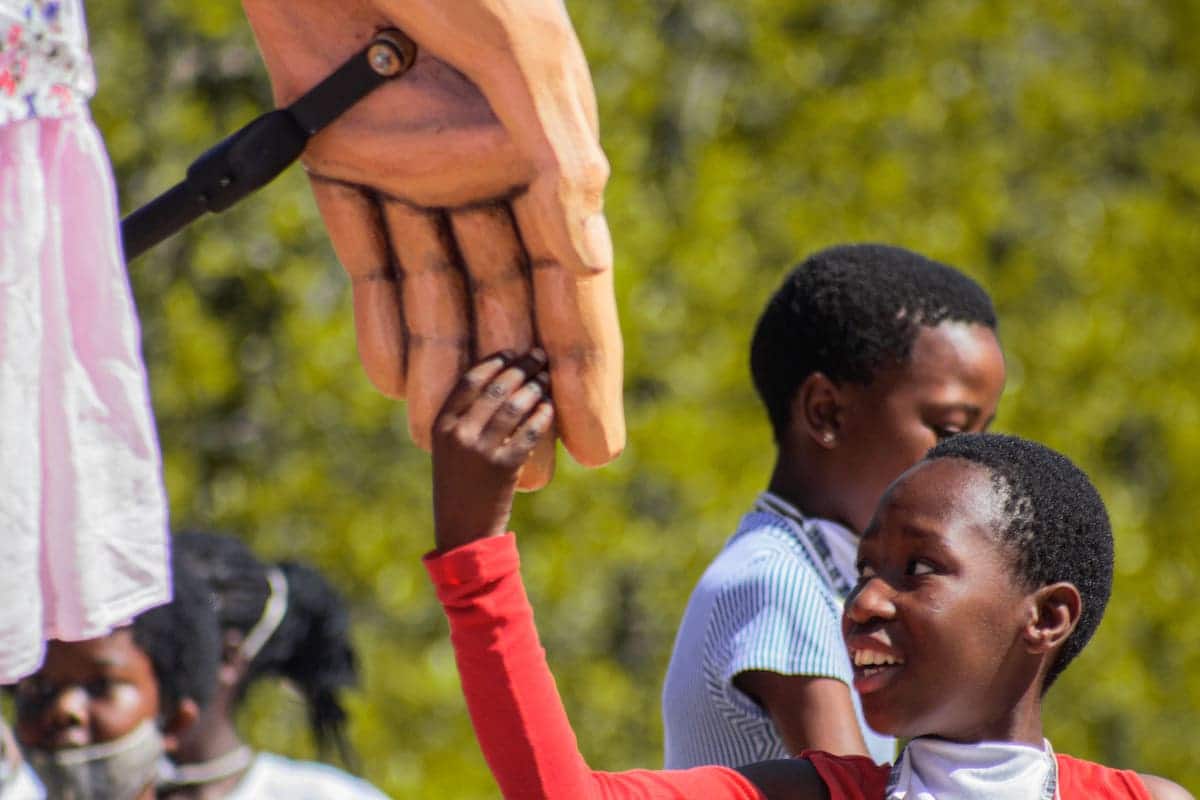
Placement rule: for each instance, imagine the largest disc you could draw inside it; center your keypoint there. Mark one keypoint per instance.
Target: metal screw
(391, 54)
(384, 60)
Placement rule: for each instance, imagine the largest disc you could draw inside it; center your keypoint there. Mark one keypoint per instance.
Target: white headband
(273, 612)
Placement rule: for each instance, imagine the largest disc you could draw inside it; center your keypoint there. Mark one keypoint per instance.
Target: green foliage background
(1050, 148)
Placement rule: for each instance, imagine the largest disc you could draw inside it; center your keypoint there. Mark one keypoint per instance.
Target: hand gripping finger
(511, 413)
(356, 228)
(536, 428)
(576, 316)
(434, 299)
(469, 387)
(496, 399)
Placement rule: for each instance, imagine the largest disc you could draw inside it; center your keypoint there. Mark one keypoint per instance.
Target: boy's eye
(99, 687)
(920, 568)
(865, 572)
(942, 432)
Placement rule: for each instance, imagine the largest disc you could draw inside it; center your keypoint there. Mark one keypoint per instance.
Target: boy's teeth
(872, 658)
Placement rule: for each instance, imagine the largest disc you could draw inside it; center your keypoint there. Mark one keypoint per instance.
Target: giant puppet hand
(465, 201)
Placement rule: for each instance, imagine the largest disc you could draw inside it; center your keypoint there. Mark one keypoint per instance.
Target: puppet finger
(538, 468)
(434, 301)
(498, 276)
(501, 299)
(356, 229)
(576, 317)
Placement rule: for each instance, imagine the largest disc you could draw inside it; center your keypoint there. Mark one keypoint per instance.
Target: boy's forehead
(967, 352)
(117, 649)
(944, 497)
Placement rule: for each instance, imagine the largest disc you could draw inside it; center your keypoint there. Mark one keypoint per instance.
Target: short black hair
(311, 646)
(850, 311)
(1057, 526)
(181, 640)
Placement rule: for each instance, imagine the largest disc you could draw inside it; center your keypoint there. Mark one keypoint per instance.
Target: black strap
(253, 156)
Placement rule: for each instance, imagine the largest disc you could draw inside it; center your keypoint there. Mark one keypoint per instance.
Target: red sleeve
(1078, 779)
(514, 704)
(849, 777)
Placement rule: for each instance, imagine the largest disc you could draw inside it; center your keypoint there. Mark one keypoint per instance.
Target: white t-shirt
(273, 777)
(23, 785)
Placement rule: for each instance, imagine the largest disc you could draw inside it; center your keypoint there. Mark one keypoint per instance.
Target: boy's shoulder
(1086, 779)
(762, 546)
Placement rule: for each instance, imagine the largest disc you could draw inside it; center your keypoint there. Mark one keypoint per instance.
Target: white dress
(82, 506)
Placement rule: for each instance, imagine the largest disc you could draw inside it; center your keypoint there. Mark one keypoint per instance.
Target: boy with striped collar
(865, 358)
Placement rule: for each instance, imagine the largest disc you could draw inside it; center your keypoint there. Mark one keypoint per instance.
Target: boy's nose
(68, 717)
(872, 601)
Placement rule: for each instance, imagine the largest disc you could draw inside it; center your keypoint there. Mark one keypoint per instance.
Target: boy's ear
(817, 410)
(1055, 611)
(184, 716)
(233, 663)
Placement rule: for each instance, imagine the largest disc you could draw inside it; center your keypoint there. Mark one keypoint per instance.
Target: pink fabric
(82, 507)
(45, 67)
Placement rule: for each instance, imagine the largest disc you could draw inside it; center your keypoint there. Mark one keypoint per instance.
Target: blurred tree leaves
(1050, 148)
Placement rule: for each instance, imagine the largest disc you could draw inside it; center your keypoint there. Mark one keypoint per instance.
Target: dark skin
(92, 692)
(937, 590)
(214, 734)
(845, 444)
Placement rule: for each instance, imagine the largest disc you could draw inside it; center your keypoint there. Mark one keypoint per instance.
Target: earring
(827, 437)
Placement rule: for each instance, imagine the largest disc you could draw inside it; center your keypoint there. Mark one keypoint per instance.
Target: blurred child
(864, 358)
(96, 720)
(284, 621)
(17, 781)
(983, 573)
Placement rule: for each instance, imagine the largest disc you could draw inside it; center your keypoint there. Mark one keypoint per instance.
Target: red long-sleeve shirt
(528, 742)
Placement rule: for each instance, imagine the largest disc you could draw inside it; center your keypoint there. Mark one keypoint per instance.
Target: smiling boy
(984, 572)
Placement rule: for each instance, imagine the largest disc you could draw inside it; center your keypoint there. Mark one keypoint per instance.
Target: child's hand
(484, 433)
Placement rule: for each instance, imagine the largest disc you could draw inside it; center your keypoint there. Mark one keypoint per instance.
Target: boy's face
(934, 626)
(87, 693)
(951, 384)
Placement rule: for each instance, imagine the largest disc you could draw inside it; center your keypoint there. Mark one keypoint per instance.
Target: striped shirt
(771, 601)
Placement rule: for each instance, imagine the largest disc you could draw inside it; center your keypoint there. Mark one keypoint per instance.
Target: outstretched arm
(489, 425)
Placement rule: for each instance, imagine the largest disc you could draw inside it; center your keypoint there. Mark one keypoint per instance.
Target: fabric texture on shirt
(938, 769)
(273, 777)
(514, 704)
(23, 785)
(528, 742)
(767, 602)
(856, 778)
(45, 68)
(82, 502)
